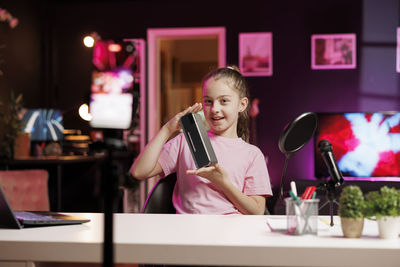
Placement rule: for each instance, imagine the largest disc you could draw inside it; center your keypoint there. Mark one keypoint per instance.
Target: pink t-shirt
(244, 163)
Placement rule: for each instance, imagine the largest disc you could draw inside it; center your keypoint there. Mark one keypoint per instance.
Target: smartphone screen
(111, 99)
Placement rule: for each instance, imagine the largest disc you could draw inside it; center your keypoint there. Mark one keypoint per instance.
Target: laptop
(20, 219)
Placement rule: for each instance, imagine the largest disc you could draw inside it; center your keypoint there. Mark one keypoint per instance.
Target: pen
(295, 198)
(308, 192)
(293, 187)
(297, 212)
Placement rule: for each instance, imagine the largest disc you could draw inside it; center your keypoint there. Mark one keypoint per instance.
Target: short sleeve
(169, 155)
(257, 181)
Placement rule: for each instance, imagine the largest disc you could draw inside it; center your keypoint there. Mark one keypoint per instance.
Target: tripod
(330, 195)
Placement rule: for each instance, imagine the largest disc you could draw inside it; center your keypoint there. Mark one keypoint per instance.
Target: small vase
(388, 227)
(22, 145)
(352, 227)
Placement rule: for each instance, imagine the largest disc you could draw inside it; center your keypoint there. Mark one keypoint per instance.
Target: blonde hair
(236, 80)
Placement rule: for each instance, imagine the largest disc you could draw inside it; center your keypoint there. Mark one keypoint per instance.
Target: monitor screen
(43, 124)
(363, 144)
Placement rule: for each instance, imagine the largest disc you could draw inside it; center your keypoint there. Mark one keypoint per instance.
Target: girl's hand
(215, 174)
(173, 124)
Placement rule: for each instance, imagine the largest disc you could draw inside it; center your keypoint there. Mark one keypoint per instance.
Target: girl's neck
(228, 134)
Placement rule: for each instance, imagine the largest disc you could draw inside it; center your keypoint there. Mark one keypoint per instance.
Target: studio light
(88, 41)
(84, 112)
(91, 39)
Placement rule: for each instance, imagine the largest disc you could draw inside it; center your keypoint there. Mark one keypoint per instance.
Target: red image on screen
(364, 144)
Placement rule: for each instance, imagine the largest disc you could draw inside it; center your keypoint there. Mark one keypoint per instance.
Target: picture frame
(398, 51)
(255, 54)
(333, 51)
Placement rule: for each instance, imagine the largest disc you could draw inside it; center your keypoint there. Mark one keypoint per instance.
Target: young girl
(239, 182)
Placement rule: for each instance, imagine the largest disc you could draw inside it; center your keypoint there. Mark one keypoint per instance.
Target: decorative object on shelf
(255, 54)
(333, 51)
(384, 205)
(76, 144)
(52, 149)
(351, 211)
(10, 125)
(22, 145)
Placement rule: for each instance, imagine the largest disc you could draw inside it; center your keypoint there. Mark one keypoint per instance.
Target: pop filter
(295, 136)
(297, 133)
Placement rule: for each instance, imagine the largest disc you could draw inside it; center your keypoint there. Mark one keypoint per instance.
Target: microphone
(325, 148)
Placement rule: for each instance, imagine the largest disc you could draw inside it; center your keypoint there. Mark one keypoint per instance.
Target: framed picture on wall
(333, 51)
(255, 54)
(398, 51)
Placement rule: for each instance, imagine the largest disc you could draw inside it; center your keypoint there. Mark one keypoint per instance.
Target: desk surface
(233, 240)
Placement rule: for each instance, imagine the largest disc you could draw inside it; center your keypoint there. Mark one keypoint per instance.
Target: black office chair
(160, 201)
(160, 198)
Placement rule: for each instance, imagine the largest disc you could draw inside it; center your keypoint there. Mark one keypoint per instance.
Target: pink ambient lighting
(114, 48)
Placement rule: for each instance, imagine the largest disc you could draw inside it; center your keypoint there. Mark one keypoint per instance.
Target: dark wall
(48, 63)
(21, 52)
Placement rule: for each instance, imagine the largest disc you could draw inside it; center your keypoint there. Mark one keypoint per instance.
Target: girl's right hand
(173, 124)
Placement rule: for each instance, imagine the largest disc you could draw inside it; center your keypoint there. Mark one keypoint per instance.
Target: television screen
(43, 124)
(363, 144)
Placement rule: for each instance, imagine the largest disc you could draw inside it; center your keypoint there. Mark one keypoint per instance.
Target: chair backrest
(160, 197)
(26, 189)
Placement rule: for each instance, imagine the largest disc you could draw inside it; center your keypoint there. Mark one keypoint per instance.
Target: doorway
(178, 59)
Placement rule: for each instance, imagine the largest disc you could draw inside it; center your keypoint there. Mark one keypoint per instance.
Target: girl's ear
(243, 104)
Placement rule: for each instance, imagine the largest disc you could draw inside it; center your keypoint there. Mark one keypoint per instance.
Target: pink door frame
(153, 37)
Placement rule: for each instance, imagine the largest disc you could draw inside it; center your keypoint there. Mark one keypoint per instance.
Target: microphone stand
(110, 183)
(331, 196)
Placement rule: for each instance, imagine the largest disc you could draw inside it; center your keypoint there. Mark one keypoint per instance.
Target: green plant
(351, 202)
(385, 202)
(10, 125)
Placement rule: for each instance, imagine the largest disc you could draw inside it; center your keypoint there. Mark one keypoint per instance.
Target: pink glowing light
(115, 48)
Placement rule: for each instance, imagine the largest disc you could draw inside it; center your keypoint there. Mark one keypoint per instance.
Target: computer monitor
(43, 124)
(365, 144)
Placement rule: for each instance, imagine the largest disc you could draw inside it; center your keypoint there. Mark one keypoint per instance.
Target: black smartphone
(198, 140)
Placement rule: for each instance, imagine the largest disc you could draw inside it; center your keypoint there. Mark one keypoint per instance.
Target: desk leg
(58, 187)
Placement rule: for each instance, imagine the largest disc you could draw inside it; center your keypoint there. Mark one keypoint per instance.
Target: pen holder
(302, 216)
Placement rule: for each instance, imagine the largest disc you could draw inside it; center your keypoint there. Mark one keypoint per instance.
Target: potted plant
(351, 211)
(384, 205)
(10, 126)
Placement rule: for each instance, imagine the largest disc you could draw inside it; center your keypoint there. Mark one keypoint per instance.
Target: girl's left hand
(215, 174)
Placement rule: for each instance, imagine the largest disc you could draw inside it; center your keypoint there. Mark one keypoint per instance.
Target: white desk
(198, 240)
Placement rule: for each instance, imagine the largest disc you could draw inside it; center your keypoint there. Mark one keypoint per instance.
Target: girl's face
(221, 105)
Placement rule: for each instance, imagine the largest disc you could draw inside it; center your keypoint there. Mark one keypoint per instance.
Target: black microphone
(325, 148)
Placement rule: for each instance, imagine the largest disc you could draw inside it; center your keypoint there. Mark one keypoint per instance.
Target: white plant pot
(388, 227)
